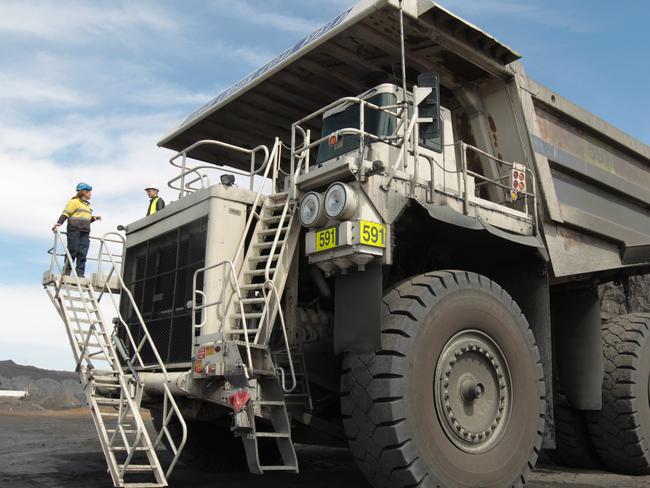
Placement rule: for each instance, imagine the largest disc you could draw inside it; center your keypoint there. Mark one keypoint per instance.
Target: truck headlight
(340, 201)
(311, 210)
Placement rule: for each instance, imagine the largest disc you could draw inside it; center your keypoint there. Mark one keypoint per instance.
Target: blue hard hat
(84, 186)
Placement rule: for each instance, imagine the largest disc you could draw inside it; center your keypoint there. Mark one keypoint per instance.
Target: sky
(87, 89)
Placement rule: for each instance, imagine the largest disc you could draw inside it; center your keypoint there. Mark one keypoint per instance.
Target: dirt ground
(60, 450)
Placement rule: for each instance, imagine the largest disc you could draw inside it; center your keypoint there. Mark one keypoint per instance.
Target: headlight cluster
(339, 203)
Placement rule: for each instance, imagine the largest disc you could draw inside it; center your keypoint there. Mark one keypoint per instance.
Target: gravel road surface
(59, 449)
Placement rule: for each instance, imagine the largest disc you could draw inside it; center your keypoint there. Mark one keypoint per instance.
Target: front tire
(621, 429)
(455, 397)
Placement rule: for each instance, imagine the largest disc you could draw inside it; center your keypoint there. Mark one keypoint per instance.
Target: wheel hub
(472, 391)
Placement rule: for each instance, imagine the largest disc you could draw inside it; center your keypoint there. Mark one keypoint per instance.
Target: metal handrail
(241, 247)
(270, 285)
(305, 148)
(230, 267)
(186, 187)
(495, 181)
(82, 354)
(168, 398)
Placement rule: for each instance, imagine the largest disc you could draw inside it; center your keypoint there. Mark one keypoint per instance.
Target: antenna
(402, 47)
(405, 113)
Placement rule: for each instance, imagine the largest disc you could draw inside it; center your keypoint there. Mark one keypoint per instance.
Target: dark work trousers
(78, 243)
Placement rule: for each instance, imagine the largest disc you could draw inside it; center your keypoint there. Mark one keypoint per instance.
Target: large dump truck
(409, 266)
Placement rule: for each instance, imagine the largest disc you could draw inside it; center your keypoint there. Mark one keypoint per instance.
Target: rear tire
(573, 444)
(621, 429)
(455, 397)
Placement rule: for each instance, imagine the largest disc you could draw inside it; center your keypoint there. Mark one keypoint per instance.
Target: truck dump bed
(594, 180)
(598, 195)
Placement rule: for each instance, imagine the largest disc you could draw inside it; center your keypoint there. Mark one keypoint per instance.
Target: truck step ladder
(249, 322)
(269, 447)
(113, 397)
(264, 272)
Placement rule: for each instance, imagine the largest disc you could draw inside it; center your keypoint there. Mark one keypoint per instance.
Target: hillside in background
(48, 389)
(9, 369)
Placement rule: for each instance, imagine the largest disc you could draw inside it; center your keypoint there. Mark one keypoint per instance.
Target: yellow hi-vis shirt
(78, 213)
(155, 204)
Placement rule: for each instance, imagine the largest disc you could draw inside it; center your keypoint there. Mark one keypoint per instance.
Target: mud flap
(357, 310)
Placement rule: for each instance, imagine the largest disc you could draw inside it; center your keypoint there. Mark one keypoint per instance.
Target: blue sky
(88, 88)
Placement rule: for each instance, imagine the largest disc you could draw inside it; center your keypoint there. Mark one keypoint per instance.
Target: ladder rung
(261, 259)
(123, 448)
(278, 196)
(252, 315)
(272, 434)
(109, 401)
(144, 485)
(85, 332)
(273, 231)
(251, 300)
(252, 345)
(107, 385)
(137, 468)
(81, 309)
(271, 403)
(278, 468)
(126, 431)
(252, 286)
(240, 331)
(275, 206)
(258, 272)
(91, 344)
(273, 219)
(85, 321)
(266, 245)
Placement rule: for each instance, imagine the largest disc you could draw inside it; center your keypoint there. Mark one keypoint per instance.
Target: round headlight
(311, 210)
(340, 201)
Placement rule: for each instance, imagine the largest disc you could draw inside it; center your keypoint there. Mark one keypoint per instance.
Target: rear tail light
(239, 399)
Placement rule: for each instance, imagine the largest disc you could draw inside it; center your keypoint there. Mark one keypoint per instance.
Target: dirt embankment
(48, 389)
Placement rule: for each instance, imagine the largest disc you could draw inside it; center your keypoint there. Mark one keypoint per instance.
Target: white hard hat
(152, 187)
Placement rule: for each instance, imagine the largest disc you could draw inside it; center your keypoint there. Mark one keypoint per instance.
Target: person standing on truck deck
(79, 215)
(155, 202)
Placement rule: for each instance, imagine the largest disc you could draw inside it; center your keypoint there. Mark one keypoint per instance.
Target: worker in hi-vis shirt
(155, 202)
(79, 215)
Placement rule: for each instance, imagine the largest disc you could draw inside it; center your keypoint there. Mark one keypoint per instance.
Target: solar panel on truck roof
(356, 50)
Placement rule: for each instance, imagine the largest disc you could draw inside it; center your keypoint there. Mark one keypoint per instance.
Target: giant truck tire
(621, 429)
(209, 446)
(455, 397)
(573, 444)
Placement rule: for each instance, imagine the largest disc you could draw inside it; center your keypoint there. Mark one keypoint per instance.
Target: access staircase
(249, 322)
(113, 396)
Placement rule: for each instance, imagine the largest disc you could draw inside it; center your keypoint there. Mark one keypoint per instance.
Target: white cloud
(76, 21)
(284, 22)
(531, 11)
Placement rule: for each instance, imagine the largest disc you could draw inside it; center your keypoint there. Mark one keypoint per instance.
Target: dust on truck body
(412, 270)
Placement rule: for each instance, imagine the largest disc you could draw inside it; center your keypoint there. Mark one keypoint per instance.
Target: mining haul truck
(400, 253)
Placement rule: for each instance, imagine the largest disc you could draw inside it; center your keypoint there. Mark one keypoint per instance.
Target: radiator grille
(159, 274)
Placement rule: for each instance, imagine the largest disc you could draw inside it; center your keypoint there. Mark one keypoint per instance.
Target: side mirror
(429, 107)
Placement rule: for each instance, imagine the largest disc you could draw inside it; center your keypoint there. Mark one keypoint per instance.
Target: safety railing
(497, 182)
(193, 178)
(63, 271)
(229, 278)
(405, 137)
(301, 152)
(270, 291)
(170, 407)
(60, 274)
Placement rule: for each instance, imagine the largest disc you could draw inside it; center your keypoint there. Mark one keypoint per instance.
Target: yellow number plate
(326, 239)
(372, 234)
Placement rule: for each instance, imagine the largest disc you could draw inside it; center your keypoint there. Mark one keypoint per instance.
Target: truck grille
(159, 274)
